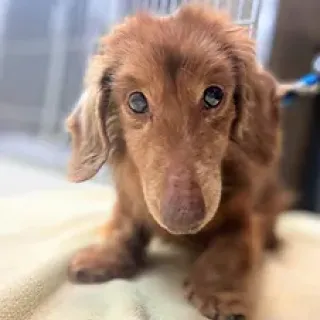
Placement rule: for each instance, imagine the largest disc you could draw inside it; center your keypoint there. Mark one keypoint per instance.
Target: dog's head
(173, 95)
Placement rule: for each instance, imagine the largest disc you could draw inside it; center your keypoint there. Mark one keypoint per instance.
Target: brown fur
(200, 177)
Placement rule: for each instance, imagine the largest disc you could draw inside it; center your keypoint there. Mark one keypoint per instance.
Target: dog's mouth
(183, 225)
(181, 208)
(184, 218)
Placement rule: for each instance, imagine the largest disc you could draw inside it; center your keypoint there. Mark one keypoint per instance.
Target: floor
(28, 164)
(17, 178)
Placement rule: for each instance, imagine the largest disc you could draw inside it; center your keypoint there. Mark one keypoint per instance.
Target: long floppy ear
(92, 124)
(256, 128)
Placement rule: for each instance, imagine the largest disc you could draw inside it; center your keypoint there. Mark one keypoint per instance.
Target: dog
(190, 125)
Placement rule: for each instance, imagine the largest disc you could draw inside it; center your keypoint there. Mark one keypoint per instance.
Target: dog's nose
(182, 207)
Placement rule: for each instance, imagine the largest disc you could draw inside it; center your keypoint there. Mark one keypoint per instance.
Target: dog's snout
(182, 207)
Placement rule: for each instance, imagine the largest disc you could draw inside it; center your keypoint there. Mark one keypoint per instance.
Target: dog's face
(164, 92)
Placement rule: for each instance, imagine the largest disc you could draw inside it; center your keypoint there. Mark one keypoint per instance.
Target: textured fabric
(41, 230)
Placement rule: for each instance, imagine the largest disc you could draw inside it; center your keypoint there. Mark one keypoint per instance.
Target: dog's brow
(189, 72)
(128, 80)
(173, 63)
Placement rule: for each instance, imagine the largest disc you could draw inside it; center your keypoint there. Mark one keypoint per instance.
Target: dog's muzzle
(182, 206)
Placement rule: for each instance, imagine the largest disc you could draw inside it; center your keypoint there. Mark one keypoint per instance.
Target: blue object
(310, 79)
(301, 86)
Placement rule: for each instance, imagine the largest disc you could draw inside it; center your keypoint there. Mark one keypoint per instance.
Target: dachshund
(190, 124)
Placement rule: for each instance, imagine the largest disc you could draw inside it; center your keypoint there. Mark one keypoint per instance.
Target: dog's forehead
(166, 48)
(172, 39)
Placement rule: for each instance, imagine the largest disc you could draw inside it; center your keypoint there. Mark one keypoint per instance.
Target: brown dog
(189, 123)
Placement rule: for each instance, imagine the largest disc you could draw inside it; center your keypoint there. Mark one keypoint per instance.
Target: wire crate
(243, 12)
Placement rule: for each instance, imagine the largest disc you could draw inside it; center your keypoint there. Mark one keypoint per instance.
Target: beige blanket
(39, 231)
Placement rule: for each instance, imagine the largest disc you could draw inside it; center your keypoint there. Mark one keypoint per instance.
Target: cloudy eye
(138, 102)
(212, 97)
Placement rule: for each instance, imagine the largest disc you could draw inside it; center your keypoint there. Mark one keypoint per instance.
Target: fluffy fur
(204, 178)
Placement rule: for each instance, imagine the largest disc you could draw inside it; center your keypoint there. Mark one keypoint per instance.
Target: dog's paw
(99, 263)
(216, 306)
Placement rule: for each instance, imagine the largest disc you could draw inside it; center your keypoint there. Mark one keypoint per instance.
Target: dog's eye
(212, 97)
(138, 102)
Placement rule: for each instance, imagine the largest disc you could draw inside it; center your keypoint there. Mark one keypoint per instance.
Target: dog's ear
(93, 124)
(256, 128)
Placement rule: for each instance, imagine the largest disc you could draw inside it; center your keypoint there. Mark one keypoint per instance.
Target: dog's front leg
(222, 282)
(121, 254)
